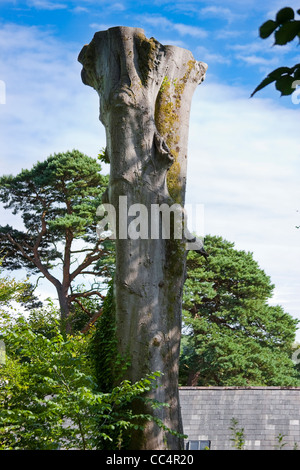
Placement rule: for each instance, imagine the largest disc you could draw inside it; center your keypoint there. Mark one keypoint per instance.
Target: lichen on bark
(147, 51)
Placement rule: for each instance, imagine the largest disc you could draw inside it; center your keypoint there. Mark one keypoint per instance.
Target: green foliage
(238, 437)
(103, 156)
(49, 397)
(109, 367)
(285, 28)
(103, 346)
(106, 264)
(281, 441)
(284, 78)
(49, 392)
(235, 337)
(10, 290)
(18, 291)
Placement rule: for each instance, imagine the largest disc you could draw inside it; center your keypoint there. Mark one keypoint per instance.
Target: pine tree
(234, 336)
(57, 200)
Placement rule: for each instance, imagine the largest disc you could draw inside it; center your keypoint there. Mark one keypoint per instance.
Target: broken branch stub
(145, 92)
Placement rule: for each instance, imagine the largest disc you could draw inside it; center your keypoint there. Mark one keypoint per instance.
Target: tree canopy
(234, 336)
(57, 200)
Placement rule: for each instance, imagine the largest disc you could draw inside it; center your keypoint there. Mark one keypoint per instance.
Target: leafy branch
(285, 28)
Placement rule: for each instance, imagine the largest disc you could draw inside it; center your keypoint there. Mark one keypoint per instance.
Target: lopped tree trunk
(145, 92)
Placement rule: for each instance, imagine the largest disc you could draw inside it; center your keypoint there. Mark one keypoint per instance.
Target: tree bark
(145, 92)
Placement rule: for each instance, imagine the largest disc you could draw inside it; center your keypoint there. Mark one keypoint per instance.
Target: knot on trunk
(163, 153)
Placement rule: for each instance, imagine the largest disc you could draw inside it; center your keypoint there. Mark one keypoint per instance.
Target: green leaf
(277, 73)
(273, 76)
(266, 81)
(285, 14)
(287, 32)
(297, 72)
(284, 85)
(267, 29)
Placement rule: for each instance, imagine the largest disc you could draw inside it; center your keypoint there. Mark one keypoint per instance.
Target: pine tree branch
(20, 248)
(89, 259)
(90, 293)
(35, 259)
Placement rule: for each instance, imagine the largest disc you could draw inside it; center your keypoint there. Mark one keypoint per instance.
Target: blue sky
(244, 155)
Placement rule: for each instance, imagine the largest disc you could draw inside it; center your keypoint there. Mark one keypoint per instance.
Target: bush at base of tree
(48, 392)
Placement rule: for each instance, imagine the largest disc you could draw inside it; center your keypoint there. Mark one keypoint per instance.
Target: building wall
(263, 412)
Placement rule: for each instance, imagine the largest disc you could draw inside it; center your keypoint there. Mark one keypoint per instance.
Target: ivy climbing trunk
(145, 92)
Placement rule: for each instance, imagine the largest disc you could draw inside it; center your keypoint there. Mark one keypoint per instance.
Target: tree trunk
(64, 306)
(145, 91)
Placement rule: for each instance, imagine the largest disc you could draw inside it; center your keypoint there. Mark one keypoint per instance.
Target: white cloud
(257, 46)
(261, 53)
(188, 30)
(163, 23)
(244, 166)
(258, 60)
(228, 34)
(80, 9)
(46, 5)
(117, 6)
(48, 109)
(218, 11)
(211, 57)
